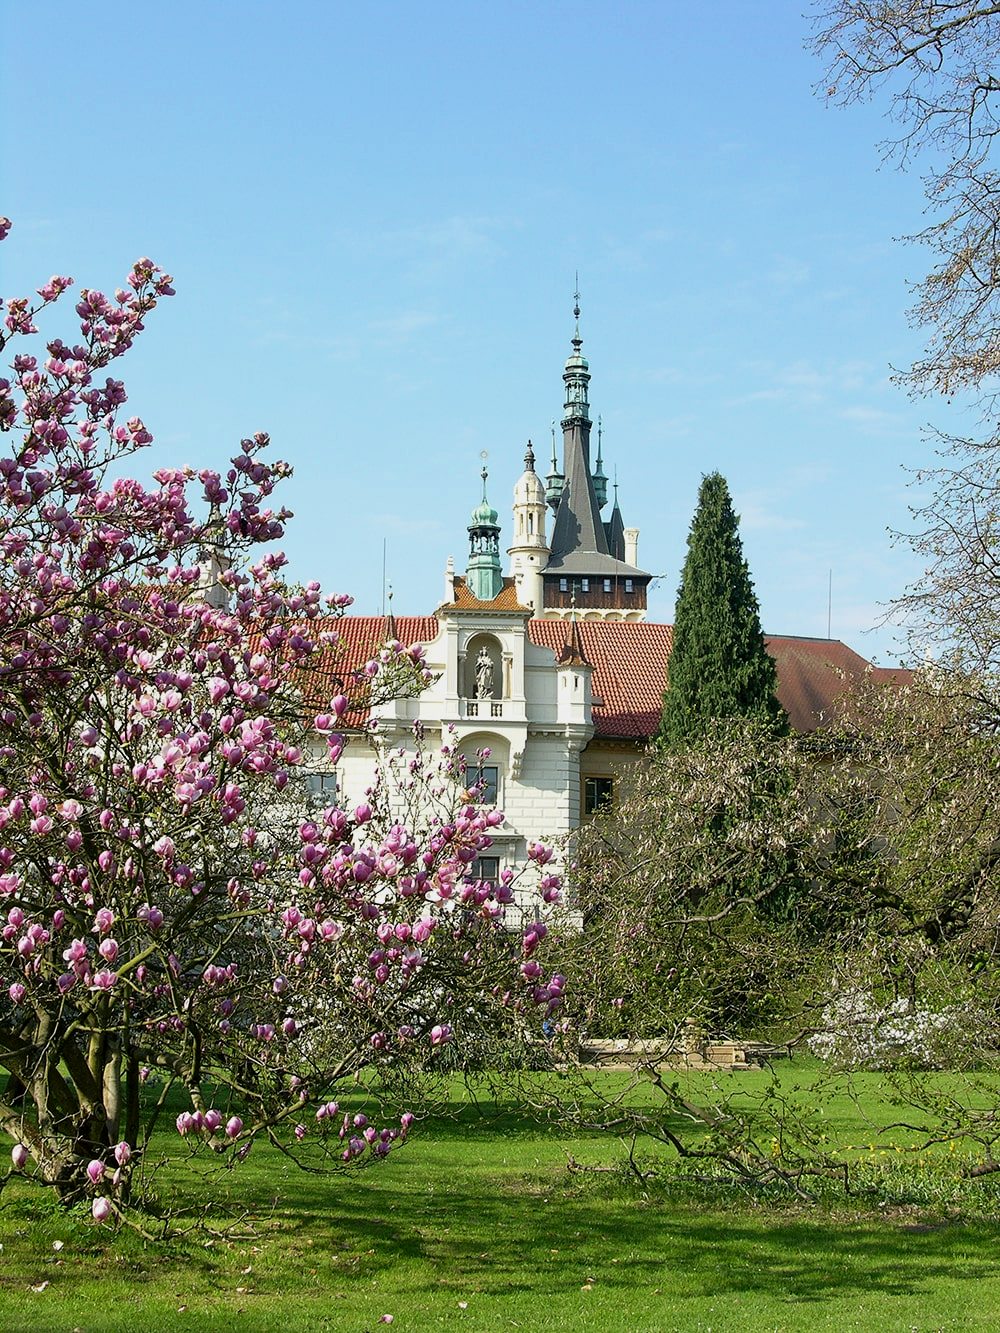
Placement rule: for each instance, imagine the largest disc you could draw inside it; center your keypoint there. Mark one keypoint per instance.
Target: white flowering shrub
(860, 1031)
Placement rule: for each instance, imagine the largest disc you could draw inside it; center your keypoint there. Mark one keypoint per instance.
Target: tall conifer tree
(719, 667)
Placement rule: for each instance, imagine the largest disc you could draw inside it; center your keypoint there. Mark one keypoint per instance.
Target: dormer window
(607, 585)
(585, 585)
(564, 585)
(629, 584)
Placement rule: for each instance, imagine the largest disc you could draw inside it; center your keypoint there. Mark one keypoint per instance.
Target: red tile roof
(362, 636)
(630, 673)
(505, 600)
(359, 640)
(630, 666)
(812, 675)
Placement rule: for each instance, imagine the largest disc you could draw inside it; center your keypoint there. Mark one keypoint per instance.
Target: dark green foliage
(705, 892)
(719, 667)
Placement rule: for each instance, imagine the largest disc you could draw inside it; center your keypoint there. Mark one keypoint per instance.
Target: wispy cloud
(672, 428)
(766, 511)
(397, 328)
(788, 272)
(433, 245)
(635, 253)
(806, 384)
(407, 525)
(873, 420)
(807, 475)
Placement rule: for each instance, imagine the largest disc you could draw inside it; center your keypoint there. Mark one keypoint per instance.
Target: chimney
(632, 547)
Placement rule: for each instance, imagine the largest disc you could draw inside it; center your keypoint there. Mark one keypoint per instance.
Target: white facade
(496, 689)
(535, 723)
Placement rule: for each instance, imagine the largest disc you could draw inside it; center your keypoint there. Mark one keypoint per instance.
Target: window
(487, 778)
(597, 794)
(564, 585)
(322, 785)
(628, 585)
(585, 585)
(607, 585)
(485, 867)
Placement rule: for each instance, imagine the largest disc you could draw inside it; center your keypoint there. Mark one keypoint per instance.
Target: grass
(478, 1225)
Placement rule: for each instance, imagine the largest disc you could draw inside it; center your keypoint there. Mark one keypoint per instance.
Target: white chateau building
(554, 668)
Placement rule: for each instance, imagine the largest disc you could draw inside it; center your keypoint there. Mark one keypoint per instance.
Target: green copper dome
(484, 516)
(576, 376)
(483, 574)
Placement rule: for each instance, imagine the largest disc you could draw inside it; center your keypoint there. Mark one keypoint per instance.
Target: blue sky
(374, 213)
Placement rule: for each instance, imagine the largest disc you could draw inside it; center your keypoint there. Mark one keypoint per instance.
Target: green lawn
(478, 1225)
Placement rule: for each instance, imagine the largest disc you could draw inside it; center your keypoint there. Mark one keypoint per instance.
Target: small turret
(575, 699)
(483, 575)
(576, 376)
(213, 561)
(615, 529)
(529, 550)
(598, 476)
(555, 481)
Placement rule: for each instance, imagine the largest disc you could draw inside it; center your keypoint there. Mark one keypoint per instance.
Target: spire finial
(577, 340)
(529, 458)
(598, 476)
(482, 575)
(555, 480)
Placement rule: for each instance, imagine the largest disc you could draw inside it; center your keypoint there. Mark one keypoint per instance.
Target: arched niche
(484, 668)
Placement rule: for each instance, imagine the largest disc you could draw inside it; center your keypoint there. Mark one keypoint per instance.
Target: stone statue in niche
(484, 675)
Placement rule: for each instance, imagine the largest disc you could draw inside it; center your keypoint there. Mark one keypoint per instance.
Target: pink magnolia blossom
(154, 664)
(103, 921)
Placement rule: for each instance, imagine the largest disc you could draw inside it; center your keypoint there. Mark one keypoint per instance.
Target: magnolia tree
(173, 915)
